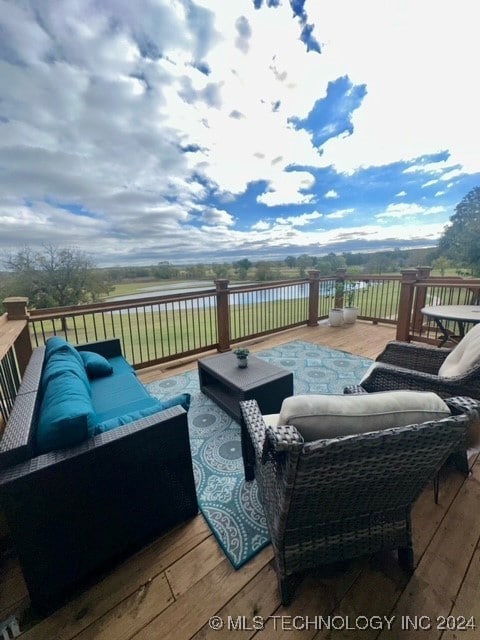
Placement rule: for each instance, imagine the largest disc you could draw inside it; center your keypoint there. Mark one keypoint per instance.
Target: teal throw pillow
(112, 423)
(96, 365)
(126, 418)
(66, 414)
(183, 399)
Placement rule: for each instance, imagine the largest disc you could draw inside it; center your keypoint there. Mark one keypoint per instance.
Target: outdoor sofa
(75, 504)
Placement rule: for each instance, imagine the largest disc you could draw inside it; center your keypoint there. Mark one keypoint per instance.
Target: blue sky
(209, 130)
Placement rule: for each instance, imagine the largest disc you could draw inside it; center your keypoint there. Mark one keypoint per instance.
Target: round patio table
(460, 313)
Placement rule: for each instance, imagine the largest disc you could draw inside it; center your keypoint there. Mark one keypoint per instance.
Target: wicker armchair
(403, 365)
(334, 499)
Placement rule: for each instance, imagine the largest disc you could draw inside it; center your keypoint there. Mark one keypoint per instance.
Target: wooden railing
(158, 329)
(15, 351)
(419, 290)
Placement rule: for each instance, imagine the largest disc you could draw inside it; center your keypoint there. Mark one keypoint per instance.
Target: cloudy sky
(199, 130)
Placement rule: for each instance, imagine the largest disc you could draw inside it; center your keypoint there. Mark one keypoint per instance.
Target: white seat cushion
(464, 356)
(330, 416)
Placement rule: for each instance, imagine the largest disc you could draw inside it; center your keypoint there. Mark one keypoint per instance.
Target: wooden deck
(173, 587)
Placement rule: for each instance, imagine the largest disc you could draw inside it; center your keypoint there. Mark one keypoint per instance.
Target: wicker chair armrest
(282, 438)
(464, 405)
(386, 377)
(267, 440)
(354, 389)
(255, 425)
(413, 356)
(106, 348)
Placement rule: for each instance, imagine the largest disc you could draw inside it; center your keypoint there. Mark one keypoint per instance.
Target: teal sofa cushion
(66, 413)
(132, 415)
(120, 365)
(62, 357)
(95, 365)
(115, 391)
(55, 344)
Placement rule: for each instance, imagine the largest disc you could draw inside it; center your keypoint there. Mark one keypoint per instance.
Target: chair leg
(460, 461)
(406, 559)
(287, 586)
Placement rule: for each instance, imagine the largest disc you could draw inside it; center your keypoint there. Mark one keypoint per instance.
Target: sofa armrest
(17, 442)
(106, 348)
(104, 442)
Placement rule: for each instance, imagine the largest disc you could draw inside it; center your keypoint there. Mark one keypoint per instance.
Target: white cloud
(331, 194)
(341, 213)
(401, 194)
(261, 225)
(301, 220)
(407, 210)
(287, 188)
(214, 216)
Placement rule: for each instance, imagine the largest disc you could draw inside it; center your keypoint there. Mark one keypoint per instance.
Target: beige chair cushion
(464, 356)
(329, 416)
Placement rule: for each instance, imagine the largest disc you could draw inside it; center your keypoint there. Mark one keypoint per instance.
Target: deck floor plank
(434, 586)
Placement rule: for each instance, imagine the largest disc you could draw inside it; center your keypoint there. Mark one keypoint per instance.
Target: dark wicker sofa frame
(403, 365)
(332, 500)
(75, 511)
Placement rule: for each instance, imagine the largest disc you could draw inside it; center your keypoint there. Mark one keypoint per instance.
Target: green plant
(339, 289)
(350, 290)
(242, 352)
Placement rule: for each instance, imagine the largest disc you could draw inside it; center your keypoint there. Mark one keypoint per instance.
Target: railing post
(313, 295)
(17, 310)
(339, 286)
(423, 273)
(409, 277)
(223, 315)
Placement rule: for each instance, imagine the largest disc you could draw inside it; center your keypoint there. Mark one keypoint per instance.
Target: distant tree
(303, 263)
(442, 264)
(461, 240)
(242, 267)
(290, 261)
(221, 270)
(165, 271)
(196, 271)
(55, 277)
(324, 266)
(263, 271)
(378, 263)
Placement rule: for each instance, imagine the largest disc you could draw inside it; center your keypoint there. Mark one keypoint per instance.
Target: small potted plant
(350, 311)
(242, 357)
(335, 315)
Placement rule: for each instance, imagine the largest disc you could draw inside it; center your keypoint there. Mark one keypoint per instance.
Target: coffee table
(222, 380)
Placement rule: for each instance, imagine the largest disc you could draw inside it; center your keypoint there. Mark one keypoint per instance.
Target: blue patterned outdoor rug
(229, 504)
